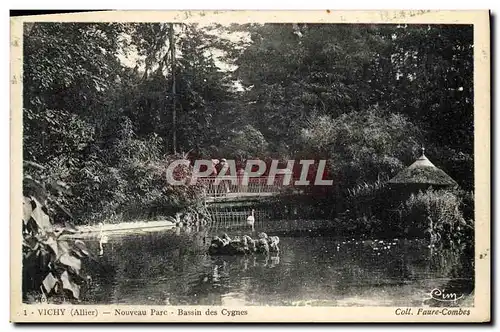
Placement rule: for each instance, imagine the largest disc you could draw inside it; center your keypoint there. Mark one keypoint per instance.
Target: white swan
(251, 220)
(103, 239)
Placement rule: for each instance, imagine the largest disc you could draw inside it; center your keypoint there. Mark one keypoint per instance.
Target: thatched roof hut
(422, 174)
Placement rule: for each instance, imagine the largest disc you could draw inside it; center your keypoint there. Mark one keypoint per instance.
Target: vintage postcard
(250, 166)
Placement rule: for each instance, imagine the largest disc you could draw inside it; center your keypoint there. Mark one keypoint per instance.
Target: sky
(131, 59)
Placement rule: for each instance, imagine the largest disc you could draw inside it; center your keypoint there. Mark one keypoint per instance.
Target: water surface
(172, 267)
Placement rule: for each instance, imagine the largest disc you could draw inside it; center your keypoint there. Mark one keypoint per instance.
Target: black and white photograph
(216, 165)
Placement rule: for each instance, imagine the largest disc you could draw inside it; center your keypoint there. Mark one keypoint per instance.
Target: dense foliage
(100, 99)
(52, 267)
(439, 213)
(364, 97)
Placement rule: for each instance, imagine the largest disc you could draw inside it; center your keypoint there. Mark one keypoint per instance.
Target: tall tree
(203, 91)
(68, 72)
(296, 72)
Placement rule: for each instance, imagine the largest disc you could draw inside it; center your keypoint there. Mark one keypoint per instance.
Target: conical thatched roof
(423, 172)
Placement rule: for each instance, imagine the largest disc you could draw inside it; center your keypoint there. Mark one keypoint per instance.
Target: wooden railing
(233, 185)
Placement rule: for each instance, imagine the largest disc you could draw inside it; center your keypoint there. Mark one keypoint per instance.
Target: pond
(172, 268)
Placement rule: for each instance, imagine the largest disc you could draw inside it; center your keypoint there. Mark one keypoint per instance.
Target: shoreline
(294, 227)
(120, 228)
(136, 227)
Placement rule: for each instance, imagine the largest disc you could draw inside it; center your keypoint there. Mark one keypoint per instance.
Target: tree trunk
(174, 115)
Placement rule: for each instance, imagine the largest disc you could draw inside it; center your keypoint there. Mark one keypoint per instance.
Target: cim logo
(441, 295)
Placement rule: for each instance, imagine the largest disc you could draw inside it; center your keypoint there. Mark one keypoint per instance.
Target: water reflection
(173, 268)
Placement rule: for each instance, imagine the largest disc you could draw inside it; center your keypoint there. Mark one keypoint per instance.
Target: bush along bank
(51, 268)
(442, 216)
(369, 212)
(136, 190)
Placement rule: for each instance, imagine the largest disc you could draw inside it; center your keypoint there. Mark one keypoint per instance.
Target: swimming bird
(103, 239)
(251, 220)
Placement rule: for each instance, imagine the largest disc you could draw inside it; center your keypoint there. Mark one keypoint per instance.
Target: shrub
(437, 212)
(361, 146)
(467, 198)
(368, 198)
(51, 267)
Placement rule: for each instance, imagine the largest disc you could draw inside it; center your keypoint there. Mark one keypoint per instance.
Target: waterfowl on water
(244, 245)
(103, 239)
(226, 239)
(251, 220)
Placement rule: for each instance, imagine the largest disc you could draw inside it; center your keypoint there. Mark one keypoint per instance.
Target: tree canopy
(365, 97)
